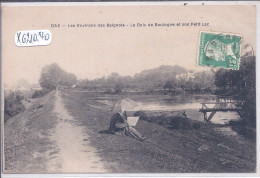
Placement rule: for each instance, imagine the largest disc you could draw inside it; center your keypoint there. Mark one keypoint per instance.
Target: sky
(96, 52)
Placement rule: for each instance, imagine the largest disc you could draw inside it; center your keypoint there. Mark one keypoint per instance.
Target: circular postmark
(220, 50)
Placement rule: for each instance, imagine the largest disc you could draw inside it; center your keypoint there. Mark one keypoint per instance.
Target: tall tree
(52, 76)
(241, 82)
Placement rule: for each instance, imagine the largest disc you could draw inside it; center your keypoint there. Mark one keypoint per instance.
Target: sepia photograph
(128, 89)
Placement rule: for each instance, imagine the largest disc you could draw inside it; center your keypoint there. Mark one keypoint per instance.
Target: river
(188, 102)
(180, 102)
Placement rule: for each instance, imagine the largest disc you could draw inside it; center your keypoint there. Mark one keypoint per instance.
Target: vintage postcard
(128, 89)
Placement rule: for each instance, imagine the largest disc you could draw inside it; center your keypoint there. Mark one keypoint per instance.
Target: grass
(165, 150)
(12, 105)
(26, 137)
(174, 150)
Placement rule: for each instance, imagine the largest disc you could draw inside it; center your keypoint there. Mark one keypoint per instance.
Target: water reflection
(225, 117)
(167, 106)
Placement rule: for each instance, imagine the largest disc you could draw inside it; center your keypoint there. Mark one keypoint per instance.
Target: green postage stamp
(219, 50)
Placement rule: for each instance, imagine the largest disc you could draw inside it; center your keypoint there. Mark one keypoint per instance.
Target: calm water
(181, 102)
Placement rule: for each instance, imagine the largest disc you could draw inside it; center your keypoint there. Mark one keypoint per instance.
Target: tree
(168, 85)
(118, 87)
(248, 72)
(221, 78)
(52, 76)
(242, 79)
(114, 78)
(241, 82)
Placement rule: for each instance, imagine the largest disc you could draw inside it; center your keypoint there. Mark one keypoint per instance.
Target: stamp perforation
(225, 47)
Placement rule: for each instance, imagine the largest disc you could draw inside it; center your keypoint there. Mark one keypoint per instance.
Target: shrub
(12, 105)
(174, 120)
(142, 115)
(183, 123)
(40, 93)
(248, 112)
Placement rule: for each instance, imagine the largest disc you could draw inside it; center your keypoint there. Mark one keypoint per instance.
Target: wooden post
(211, 115)
(205, 116)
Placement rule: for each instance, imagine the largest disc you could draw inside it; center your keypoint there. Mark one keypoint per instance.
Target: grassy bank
(165, 150)
(243, 129)
(26, 137)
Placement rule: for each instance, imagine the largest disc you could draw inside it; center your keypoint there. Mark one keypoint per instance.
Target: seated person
(119, 125)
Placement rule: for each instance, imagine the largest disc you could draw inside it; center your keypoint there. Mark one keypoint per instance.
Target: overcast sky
(96, 52)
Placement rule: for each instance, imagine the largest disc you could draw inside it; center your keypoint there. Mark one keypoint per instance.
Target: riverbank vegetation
(166, 149)
(51, 77)
(13, 104)
(172, 80)
(164, 80)
(241, 84)
(170, 119)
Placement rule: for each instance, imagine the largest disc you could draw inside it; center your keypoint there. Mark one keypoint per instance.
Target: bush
(40, 93)
(242, 128)
(181, 123)
(12, 105)
(248, 112)
(142, 115)
(174, 120)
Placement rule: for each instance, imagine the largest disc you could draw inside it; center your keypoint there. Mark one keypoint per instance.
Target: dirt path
(73, 156)
(166, 150)
(64, 133)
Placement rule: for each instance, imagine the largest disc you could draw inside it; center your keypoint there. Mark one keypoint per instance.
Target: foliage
(52, 76)
(242, 83)
(118, 87)
(40, 93)
(162, 73)
(12, 105)
(169, 85)
(248, 112)
(159, 80)
(174, 120)
(237, 80)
